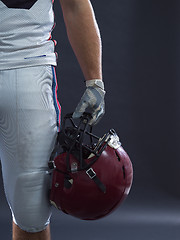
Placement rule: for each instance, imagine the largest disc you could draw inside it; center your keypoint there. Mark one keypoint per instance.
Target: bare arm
(84, 36)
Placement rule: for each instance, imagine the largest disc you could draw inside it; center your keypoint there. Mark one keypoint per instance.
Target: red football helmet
(90, 179)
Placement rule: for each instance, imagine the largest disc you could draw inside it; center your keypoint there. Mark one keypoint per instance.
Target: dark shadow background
(141, 59)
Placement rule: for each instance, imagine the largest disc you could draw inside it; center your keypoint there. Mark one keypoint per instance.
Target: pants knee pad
(30, 207)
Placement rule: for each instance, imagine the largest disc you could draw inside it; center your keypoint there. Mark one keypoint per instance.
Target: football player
(29, 109)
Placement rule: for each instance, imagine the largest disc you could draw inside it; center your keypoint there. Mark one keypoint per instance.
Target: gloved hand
(92, 101)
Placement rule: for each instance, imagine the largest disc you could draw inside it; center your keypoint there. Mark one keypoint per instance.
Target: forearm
(84, 36)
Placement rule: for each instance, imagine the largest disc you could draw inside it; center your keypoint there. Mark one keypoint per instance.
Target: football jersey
(25, 33)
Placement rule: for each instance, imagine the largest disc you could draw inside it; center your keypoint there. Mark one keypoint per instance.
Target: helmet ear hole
(124, 172)
(118, 157)
(68, 182)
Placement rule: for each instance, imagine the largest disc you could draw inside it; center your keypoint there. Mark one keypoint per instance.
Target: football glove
(92, 101)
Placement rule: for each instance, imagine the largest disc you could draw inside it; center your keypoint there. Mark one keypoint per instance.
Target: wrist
(95, 82)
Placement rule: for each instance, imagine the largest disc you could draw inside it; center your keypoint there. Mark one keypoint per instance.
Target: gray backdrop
(141, 51)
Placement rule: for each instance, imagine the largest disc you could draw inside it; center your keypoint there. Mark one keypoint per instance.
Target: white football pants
(29, 114)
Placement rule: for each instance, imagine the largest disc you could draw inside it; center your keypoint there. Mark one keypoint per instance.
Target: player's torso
(25, 33)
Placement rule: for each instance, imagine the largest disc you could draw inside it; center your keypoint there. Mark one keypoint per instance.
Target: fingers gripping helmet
(92, 175)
